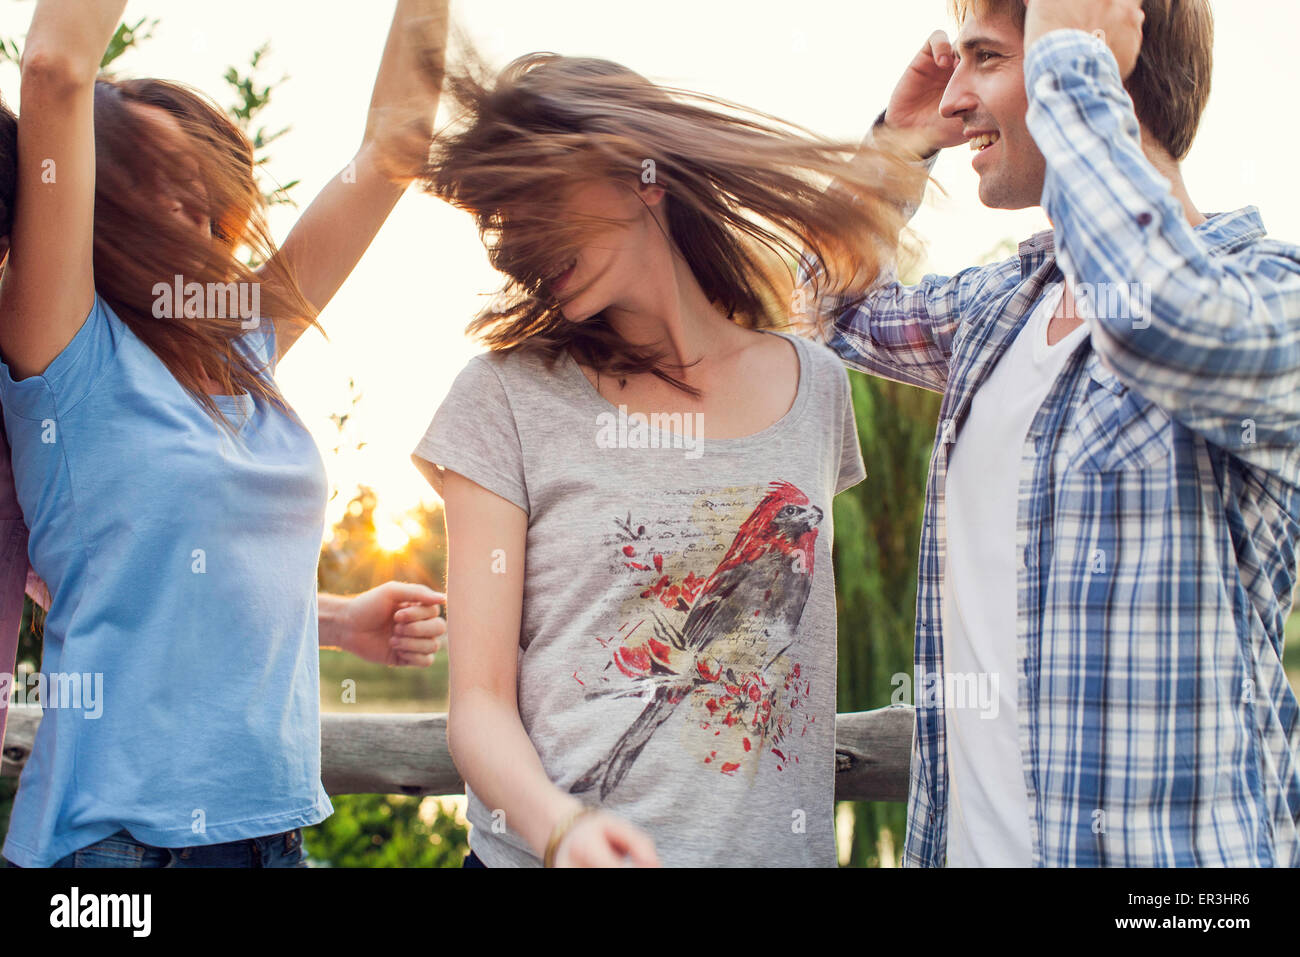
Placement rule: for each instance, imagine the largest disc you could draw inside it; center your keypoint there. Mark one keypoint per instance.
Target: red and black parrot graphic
(743, 618)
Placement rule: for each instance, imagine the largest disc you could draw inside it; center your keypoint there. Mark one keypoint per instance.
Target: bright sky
(396, 328)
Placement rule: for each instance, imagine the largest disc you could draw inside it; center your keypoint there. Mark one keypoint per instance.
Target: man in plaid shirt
(1114, 496)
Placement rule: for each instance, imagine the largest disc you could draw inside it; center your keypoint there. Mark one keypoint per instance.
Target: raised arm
(337, 228)
(900, 332)
(1211, 336)
(49, 283)
(484, 731)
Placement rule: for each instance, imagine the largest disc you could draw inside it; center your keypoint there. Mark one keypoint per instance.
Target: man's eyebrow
(973, 43)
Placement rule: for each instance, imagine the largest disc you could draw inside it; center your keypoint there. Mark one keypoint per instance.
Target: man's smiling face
(987, 92)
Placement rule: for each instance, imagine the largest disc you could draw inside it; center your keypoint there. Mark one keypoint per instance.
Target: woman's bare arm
(49, 283)
(484, 607)
(337, 228)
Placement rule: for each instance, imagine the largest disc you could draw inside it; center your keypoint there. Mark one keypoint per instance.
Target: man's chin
(1001, 189)
(995, 195)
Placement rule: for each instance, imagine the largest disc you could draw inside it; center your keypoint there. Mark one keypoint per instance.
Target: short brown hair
(1171, 83)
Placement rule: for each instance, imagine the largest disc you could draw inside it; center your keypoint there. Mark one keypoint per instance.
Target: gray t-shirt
(677, 655)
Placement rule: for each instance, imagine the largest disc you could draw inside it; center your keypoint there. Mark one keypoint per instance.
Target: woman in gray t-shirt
(638, 480)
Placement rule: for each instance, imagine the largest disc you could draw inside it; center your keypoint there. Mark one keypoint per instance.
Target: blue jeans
(122, 850)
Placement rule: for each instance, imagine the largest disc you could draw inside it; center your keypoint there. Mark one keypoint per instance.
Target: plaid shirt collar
(1222, 232)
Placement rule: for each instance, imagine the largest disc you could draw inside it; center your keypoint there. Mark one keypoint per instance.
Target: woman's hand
(394, 624)
(399, 124)
(335, 231)
(601, 839)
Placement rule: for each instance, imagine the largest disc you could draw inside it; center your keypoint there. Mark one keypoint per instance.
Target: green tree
(877, 540)
(877, 546)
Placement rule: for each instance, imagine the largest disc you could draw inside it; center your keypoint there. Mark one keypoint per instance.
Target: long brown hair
(746, 195)
(139, 245)
(8, 168)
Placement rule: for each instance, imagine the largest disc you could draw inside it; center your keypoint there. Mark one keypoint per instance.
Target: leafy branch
(127, 37)
(252, 97)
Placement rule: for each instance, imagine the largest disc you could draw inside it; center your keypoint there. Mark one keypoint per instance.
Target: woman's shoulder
(513, 370)
(818, 360)
(71, 374)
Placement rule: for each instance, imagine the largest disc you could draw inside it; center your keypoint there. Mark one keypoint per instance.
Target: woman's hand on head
(605, 840)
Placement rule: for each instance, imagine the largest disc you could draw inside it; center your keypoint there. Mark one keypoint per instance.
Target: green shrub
(384, 830)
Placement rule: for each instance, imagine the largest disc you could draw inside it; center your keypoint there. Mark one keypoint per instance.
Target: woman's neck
(669, 312)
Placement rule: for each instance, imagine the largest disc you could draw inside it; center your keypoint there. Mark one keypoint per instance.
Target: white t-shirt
(989, 820)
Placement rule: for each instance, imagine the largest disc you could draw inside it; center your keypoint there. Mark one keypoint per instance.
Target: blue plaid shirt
(1159, 505)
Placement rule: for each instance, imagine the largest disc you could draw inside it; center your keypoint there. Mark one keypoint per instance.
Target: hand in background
(396, 623)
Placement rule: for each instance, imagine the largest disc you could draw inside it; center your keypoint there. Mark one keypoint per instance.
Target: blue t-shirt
(182, 565)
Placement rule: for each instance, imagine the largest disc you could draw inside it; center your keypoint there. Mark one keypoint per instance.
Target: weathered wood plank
(407, 753)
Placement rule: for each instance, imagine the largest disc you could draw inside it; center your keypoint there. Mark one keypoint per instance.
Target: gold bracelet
(562, 829)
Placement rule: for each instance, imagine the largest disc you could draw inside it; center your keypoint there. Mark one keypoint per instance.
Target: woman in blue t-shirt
(175, 501)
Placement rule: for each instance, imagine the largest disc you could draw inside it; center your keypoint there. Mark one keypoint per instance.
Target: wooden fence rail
(407, 753)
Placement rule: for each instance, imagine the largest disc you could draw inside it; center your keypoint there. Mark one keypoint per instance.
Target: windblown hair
(139, 244)
(746, 196)
(8, 168)
(1170, 86)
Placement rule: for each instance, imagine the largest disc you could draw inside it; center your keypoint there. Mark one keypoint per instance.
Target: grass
(377, 688)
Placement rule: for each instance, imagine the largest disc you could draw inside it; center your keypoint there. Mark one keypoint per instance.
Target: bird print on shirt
(729, 657)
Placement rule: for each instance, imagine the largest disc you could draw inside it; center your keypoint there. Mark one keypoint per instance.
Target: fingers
(599, 850)
(414, 643)
(425, 627)
(603, 840)
(410, 592)
(629, 842)
(413, 617)
(418, 627)
(407, 659)
(424, 646)
(414, 652)
(940, 49)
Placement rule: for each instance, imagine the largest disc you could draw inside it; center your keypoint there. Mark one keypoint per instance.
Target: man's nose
(958, 99)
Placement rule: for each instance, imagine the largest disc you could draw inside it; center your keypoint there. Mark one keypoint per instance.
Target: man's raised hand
(914, 106)
(1120, 21)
